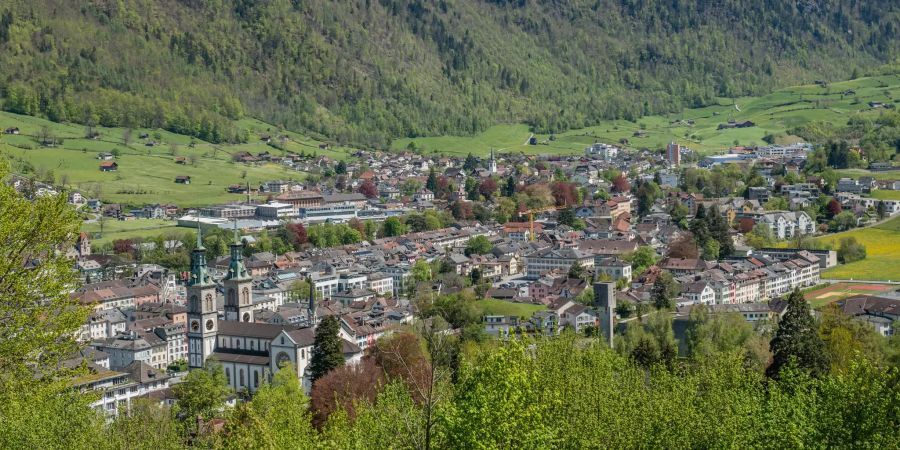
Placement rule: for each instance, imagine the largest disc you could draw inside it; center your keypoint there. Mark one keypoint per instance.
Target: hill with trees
(365, 72)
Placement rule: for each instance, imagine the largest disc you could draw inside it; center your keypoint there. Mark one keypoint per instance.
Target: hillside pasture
(882, 253)
(773, 114)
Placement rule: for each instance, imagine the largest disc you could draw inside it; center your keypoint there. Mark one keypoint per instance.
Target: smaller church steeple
(492, 164)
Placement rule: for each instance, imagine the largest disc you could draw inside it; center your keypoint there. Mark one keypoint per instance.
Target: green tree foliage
(500, 403)
(40, 322)
(649, 341)
(642, 258)
(576, 270)
(147, 425)
(848, 340)
(478, 245)
(327, 352)
(664, 291)
(332, 235)
(300, 63)
(202, 393)
(796, 340)
(851, 250)
(393, 227)
(278, 416)
(760, 236)
(710, 334)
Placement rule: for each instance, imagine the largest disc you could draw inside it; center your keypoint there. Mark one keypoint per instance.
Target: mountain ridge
(366, 72)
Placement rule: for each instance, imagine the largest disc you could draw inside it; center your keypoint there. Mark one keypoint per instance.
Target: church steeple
(236, 269)
(238, 285)
(199, 272)
(492, 164)
(202, 312)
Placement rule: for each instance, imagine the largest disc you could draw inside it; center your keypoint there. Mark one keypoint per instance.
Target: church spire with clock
(238, 285)
(202, 314)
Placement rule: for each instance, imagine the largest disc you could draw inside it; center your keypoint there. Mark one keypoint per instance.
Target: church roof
(241, 358)
(250, 329)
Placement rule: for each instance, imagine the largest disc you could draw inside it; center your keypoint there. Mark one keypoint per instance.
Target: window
(240, 377)
(228, 375)
(256, 379)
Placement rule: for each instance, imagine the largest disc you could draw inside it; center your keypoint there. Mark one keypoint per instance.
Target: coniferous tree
(327, 353)
(664, 291)
(510, 188)
(431, 183)
(797, 340)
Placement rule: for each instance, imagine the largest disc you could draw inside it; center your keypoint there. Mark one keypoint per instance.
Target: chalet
(105, 156)
(109, 166)
(180, 160)
(11, 130)
(733, 124)
(183, 179)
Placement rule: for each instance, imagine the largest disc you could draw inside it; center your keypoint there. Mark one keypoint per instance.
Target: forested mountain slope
(366, 71)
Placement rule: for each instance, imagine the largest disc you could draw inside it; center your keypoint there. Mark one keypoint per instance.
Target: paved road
(860, 281)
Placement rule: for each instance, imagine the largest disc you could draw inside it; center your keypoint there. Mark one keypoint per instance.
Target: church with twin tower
(249, 352)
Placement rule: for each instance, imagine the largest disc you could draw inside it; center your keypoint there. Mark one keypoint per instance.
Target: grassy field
(884, 194)
(503, 307)
(147, 174)
(882, 249)
(127, 229)
(879, 175)
(824, 296)
(773, 114)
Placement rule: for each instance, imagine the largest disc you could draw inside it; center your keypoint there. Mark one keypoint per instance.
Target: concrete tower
(605, 303)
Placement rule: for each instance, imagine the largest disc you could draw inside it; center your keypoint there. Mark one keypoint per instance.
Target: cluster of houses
(251, 315)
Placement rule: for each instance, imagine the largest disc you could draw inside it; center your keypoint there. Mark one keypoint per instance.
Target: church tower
(202, 315)
(311, 306)
(492, 165)
(238, 285)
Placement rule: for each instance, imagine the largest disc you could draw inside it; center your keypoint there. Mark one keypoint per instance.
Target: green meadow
(882, 253)
(775, 114)
(127, 229)
(146, 174)
(502, 307)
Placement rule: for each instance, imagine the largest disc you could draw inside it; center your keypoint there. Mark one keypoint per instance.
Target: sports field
(840, 291)
(505, 308)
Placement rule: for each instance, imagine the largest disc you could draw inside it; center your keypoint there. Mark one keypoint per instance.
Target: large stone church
(249, 352)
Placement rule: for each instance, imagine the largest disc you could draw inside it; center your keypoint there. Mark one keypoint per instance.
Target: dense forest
(364, 71)
(825, 382)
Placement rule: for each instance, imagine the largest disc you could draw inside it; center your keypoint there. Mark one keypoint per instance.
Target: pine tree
(797, 340)
(510, 189)
(431, 183)
(327, 353)
(664, 291)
